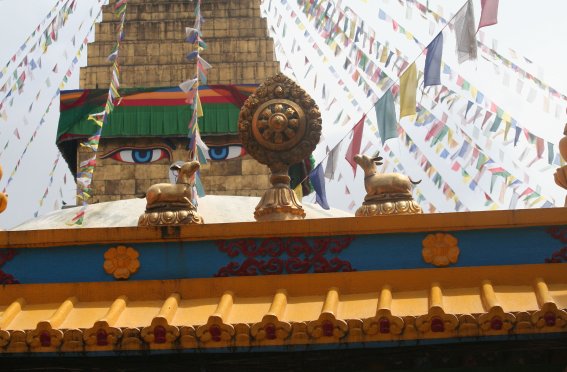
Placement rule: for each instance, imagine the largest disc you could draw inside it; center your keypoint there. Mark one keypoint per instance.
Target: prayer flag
(113, 55)
(317, 178)
(203, 64)
(354, 147)
(465, 33)
(408, 87)
(192, 55)
(332, 161)
(386, 117)
(191, 35)
(298, 190)
(199, 186)
(188, 85)
(433, 62)
(199, 108)
(489, 13)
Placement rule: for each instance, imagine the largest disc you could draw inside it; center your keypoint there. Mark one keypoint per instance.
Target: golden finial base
(279, 203)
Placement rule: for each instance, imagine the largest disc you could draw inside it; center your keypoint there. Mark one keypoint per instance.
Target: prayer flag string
(42, 121)
(87, 167)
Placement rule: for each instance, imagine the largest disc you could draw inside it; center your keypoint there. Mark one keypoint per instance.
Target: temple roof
(376, 306)
(125, 213)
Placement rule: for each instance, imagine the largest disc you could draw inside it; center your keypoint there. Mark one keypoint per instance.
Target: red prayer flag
(489, 13)
(539, 147)
(354, 147)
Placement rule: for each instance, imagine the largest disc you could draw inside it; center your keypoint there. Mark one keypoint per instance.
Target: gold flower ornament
(121, 261)
(440, 249)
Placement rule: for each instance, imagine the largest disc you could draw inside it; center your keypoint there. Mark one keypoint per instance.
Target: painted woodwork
(284, 256)
(275, 256)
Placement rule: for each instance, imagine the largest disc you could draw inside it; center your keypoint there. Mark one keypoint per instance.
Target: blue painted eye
(225, 152)
(142, 156)
(218, 153)
(138, 155)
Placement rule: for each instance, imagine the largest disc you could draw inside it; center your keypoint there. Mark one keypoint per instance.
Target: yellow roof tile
(282, 310)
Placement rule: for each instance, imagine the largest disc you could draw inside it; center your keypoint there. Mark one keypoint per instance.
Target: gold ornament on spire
(279, 125)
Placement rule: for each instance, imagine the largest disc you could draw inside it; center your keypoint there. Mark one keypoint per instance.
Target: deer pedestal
(387, 204)
(386, 193)
(170, 204)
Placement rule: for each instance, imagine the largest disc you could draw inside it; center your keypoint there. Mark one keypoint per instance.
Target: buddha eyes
(139, 155)
(225, 152)
(133, 155)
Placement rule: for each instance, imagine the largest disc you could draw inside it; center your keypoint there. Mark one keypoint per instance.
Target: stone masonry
(153, 55)
(116, 180)
(153, 51)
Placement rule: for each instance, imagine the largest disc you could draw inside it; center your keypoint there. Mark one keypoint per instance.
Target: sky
(538, 32)
(18, 19)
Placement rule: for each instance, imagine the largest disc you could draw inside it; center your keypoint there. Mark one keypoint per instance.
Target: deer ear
(378, 158)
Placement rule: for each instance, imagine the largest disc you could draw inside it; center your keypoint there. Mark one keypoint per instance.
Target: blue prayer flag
(192, 55)
(317, 178)
(433, 61)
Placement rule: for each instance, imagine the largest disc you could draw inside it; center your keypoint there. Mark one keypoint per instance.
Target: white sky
(536, 30)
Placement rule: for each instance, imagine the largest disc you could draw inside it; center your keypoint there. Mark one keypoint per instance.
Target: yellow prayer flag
(474, 92)
(352, 26)
(384, 54)
(408, 88)
(298, 191)
(96, 121)
(506, 130)
(199, 108)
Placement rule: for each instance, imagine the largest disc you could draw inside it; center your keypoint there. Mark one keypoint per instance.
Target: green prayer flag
(386, 117)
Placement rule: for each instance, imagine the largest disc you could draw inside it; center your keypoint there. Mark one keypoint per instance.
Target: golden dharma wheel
(3, 202)
(279, 123)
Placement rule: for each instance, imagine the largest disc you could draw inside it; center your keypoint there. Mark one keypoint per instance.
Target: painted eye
(138, 155)
(225, 152)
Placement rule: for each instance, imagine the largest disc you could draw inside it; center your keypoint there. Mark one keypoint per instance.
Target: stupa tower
(153, 51)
